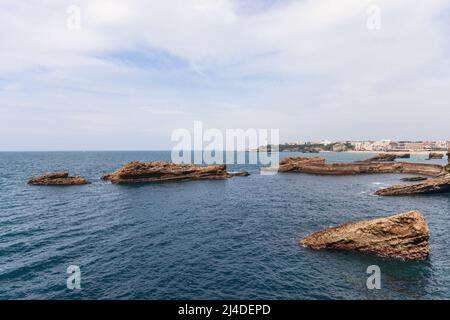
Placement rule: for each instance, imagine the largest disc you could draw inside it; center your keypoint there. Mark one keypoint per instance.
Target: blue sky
(137, 70)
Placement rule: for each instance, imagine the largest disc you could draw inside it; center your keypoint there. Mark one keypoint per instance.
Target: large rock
(138, 172)
(297, 163)
(440, 184)
(414, 179)
(317, 165)
(435, 155)
(403, 236)
(384, 157)
(57, 179)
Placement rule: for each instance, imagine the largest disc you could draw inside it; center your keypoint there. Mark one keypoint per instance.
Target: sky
(123, 75)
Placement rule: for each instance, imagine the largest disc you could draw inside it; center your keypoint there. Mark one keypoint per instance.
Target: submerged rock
(414, 179)
(404, 156)
(404, 236)
(440, 184)
(138, 172)
(57, 179)
(239, 174)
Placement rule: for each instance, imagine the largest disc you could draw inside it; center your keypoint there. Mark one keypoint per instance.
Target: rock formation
(386, 157)
(317, 165)
(440, 184)
(138, 172)
(414, 179)
(434, 155)
(57, 179)
(296, 163)
(403, 236)
(383, 157)
(403, 156)
(239, 174)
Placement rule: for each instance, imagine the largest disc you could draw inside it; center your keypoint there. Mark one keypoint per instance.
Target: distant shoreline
(392, 152)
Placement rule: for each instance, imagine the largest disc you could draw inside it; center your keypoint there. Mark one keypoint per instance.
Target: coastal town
(364, 146)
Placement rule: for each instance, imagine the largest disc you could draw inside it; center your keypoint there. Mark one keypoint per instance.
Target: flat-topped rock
(297, 163)
(384, 157)
(139, 172)
(318, 165)
(57, 179)
(404, 236)
(414, 179)
(435, 155)
(440, 184)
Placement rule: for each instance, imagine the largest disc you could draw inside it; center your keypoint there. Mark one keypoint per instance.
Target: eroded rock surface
(317, 165)
(383, 157)
(440, 184)
(414, 179)
(138, 172)
(434, 155)
(403, 236)
(57, 179)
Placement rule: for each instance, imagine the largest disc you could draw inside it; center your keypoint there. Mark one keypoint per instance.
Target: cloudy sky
(133, 71)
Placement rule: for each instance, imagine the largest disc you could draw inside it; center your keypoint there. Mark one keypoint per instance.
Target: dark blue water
(228, 239)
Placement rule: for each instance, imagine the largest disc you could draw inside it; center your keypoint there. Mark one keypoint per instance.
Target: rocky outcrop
(414, 179)
(57, 179)
(434, 155)
(297, 163)
(386, 157)
(139, 172)
(239, 174)
(404, 236)
(440, 184)
(403, 156)
(317, 165)
(383, 157)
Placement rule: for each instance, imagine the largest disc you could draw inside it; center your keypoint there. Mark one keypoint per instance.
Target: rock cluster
(138, 172)
(57, 179)
(317, 165)
(434, 155)
(414, 179)
(404, 236)
(439, 184)
(386, 157)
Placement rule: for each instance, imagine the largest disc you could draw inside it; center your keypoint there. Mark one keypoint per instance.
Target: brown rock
(403, 236)
(414, 179)
(240, 174)
(317, 165)
(383, 157)
(403, 156)
(57, 179)
(434, 155)
(297, 163)
(138, 172)
(440, 184)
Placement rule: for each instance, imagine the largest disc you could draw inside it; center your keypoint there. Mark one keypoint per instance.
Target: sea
(210, 239)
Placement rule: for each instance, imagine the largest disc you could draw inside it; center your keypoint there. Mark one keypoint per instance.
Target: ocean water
(231, 239)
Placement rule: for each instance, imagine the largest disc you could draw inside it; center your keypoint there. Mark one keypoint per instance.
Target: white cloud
(310, 68)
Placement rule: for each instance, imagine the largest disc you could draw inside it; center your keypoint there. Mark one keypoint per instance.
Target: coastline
(391, 152)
